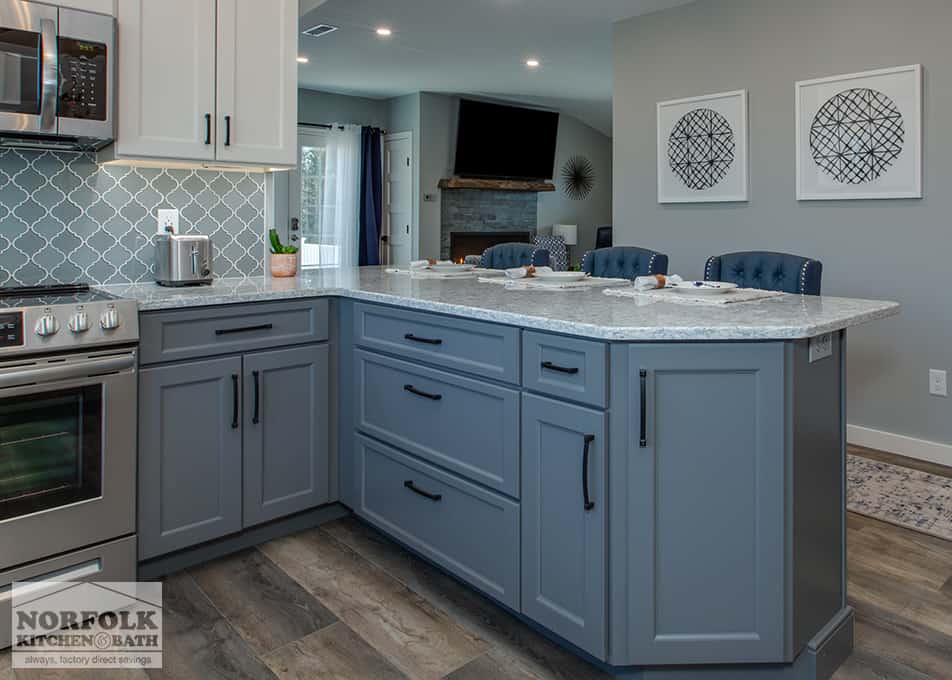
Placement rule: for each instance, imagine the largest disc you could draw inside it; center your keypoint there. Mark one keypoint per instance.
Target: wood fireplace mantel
(496, 185)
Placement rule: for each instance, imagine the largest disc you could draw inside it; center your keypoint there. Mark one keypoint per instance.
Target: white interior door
(398, 196)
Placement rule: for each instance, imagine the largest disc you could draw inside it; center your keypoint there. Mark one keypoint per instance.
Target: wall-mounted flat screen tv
(505, 142)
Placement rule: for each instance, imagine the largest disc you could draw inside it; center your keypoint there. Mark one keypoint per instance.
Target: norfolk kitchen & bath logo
(70, 624)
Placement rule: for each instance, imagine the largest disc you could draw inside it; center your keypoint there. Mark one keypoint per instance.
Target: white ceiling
(471, 47)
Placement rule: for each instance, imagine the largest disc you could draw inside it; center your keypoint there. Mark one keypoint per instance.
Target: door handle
(49, 74)
(643, 443)
(227, 130)
(435, 497)
(235, 398)
(420, 393)
(208, 129)
(587, 503)
(257, 407)
(559, 369)
(244, 329)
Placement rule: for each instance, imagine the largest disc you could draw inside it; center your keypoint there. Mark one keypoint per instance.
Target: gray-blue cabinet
(698, 504)
(189, 454)
(564, 512)
(286, 436)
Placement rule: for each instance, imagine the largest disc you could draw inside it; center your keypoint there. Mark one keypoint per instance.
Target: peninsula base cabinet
(228, 443)
(681, 504)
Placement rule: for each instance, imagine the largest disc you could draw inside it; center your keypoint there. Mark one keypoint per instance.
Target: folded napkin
(426, 264)
(523, 272)
(656, 281)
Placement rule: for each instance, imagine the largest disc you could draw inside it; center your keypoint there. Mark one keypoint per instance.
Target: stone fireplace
(490, 216)
(463, 243)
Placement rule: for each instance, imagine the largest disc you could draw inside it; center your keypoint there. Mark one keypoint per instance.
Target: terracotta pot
(283, 266)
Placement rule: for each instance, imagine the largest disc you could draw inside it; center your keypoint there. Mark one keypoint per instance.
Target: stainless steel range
(68, 386)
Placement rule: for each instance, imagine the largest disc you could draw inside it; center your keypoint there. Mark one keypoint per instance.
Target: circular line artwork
(857, 135)
(578, 177)
(701, 148)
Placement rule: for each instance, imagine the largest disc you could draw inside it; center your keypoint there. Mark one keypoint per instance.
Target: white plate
(490, 273)
(704, 287)
(559, 276)
(451, 268)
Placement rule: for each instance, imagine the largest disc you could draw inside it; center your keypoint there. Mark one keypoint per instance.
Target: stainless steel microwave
(57, 77)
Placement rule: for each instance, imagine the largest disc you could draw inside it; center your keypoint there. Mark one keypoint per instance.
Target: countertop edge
(593, 331)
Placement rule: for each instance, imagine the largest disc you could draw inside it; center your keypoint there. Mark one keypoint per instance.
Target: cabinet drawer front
(484, 349)
(174, 335)
(467, 426)
(566, 368)
(472, 532)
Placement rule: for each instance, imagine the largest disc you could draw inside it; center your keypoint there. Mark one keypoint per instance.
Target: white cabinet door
(166, 79)
(100, 6)
(257, 82)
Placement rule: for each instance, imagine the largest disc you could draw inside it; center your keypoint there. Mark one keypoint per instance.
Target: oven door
(28, 67)
(67, 453)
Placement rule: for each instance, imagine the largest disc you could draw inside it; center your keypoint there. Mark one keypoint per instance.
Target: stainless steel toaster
(183, 260)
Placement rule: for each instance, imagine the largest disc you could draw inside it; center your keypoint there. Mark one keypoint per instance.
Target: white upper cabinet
(257, 81)
(167, 79)
(210, 81)
(100, 6)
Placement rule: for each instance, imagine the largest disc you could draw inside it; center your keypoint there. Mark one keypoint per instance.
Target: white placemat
(428, 274)
(671, 295)
(533, 284)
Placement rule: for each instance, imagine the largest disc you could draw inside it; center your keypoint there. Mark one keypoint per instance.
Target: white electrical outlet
(938, 383)
(821, 347)
(168, 221)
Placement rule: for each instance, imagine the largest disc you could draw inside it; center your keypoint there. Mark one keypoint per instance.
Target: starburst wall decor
(578, 178)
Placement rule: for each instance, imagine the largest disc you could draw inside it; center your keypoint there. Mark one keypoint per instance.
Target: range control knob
(110, 320)
(47, 325)
(79, 322)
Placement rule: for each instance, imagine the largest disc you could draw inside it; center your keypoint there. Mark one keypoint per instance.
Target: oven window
(50, 450)
(19, 71)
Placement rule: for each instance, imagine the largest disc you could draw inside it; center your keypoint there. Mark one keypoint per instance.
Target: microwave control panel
(11, 329)
(82, 66)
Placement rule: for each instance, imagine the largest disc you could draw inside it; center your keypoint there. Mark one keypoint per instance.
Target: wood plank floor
(343, 602)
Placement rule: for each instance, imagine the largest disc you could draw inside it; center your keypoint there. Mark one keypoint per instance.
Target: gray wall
(325, 107)
(896, 249)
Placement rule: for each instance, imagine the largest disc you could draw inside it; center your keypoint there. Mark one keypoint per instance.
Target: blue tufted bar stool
(767, 271)
(510, 255)
(624, 262)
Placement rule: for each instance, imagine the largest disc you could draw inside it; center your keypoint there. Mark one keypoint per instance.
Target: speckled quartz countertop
(589, 313)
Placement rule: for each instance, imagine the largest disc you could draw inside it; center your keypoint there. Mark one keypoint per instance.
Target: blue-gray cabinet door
(563, 520)
(286, 438)
(701, 525)
(189, 454)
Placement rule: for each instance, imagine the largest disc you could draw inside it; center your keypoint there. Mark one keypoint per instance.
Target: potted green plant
(283, 258)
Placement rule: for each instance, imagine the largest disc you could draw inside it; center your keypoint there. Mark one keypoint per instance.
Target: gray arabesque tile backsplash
(63, 217)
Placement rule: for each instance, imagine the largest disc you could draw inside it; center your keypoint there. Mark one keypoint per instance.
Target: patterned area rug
(900, 495)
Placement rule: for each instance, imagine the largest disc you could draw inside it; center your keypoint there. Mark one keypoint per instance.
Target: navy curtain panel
(371, 190)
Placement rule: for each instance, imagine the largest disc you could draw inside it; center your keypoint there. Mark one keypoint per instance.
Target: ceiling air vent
(319, 30)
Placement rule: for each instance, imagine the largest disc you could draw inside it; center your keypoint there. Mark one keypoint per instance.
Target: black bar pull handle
(227, 130)
(235, 397)
(244, 329)
(420, 393)
(208, 129)
(254, 416)
(588, 503)
(435, 497)
(548, 365)
(644, 408)
(425, 341)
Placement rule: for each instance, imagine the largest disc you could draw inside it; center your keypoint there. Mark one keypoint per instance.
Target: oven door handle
(19, 377)
(49, 75)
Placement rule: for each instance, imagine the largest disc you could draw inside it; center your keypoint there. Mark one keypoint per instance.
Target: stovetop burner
(50, 294)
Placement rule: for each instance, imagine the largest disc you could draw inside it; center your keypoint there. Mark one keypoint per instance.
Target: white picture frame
(840, 156)
(714, 171)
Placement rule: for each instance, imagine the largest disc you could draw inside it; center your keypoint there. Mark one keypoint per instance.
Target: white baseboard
(933, 452)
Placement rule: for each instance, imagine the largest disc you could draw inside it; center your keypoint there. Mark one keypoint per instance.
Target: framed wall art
(702, 149)
(859, 136)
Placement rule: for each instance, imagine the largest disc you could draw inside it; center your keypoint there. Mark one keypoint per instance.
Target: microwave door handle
(49, 71)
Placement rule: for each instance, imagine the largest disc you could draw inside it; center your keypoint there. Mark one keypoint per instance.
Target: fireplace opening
(463, 243)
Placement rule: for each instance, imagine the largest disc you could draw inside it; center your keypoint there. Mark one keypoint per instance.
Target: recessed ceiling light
(532, 63)
(302, 60)
(384, 32)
